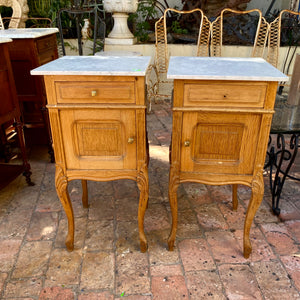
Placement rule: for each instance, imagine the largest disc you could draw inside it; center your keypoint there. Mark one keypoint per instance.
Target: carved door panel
(219, 143)
(98, 139)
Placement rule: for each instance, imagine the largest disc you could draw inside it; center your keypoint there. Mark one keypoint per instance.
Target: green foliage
(47, 8)
(146, 9)
(177, 29)
(5, 11)
(99, 45)
(141, 26)
(142, 31)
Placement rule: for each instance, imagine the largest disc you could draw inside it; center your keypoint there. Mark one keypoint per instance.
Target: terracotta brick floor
(207, 262)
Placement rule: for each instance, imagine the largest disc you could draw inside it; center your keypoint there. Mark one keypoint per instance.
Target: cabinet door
(219, 143)
(98, 139)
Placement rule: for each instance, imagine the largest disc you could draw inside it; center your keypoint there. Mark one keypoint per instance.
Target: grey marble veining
(95, 65)
(223, 68)
(5, 40)
(26, 33)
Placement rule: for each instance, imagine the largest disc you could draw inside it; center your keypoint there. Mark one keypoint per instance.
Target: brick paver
(207, 262)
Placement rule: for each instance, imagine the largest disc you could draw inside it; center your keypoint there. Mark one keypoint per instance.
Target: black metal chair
(79, 14)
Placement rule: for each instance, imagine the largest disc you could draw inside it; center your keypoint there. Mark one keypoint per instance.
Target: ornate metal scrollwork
(282, 159)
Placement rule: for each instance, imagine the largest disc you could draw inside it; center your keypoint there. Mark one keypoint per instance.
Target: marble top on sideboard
(95, 65)
(5, 40)
(26, 33)
(223, 68)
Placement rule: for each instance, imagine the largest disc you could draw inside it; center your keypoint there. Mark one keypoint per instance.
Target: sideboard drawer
(46, 43)
(47, 56)
(122, 92)
(224, 94)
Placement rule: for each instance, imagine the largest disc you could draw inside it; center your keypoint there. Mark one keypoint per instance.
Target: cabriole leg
(256, 199)
(143, 185)
(173, 186)
(61, 184)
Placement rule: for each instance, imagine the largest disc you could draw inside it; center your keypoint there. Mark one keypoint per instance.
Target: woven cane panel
(261, 38)
(204, 36)
(216, 37)
(274, 41)
(275, 34)
(160, 45)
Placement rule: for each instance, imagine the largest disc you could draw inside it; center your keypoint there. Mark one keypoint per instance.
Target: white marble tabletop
(95, 65)
(26, 33)
(5, 40)
(223, 68)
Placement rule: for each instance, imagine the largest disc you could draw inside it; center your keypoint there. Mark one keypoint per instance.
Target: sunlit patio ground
(207, 262)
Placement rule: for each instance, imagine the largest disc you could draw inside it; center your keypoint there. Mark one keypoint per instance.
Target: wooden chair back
(161, 43)
(217, 32)
(274, 36)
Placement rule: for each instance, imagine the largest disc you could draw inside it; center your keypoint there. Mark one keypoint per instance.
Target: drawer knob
(130, 140)
(94, 93)
(187, 143)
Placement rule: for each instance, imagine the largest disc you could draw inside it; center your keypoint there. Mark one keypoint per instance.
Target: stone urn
(120, 9)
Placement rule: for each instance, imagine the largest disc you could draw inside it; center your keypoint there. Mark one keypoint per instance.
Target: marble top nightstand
(97, 109)
(222, 113)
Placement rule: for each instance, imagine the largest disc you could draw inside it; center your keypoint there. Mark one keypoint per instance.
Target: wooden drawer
(224, 94)
(108, 92)
(46, 43)
(47, 56)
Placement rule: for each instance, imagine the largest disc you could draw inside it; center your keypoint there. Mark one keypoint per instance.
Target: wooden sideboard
(222, 113)
(10, 113)
(97, 115)
(31, 48)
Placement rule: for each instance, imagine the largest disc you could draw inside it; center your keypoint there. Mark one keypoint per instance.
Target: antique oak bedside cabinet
(31, 48)
(97, 114)
(10, 114)
(222, 112)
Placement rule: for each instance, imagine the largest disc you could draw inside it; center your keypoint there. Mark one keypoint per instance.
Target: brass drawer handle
(187, 143)
(94, 93)
(130, 140)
